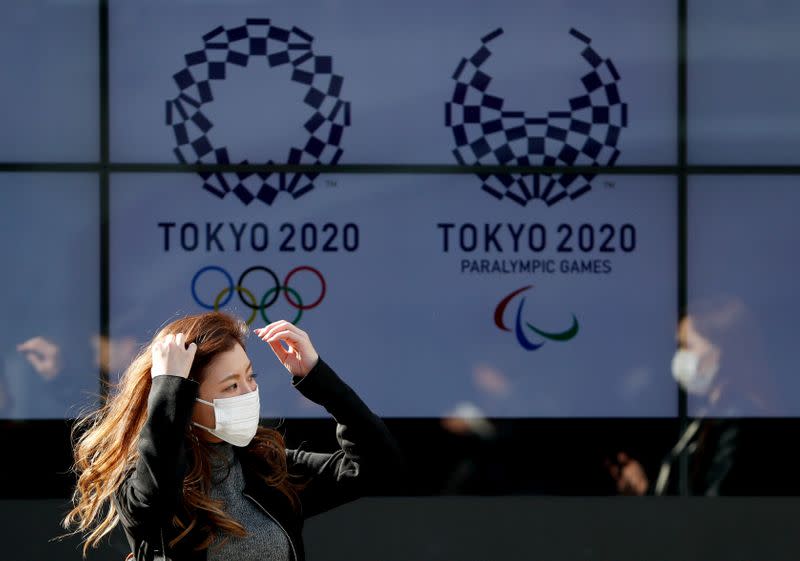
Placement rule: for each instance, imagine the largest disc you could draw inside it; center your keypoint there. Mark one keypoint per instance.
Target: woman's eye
(253, 376)
(232, 387)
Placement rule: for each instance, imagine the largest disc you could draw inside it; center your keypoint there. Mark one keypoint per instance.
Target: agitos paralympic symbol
(267, 299)
(526, 344)
(486, 132)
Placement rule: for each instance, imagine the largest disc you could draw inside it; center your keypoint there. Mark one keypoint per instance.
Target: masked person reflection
(720, 364)
(177, 457)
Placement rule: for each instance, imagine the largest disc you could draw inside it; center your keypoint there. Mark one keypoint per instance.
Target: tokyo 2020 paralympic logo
(486, 132)
(519, 329)
(256, 42)
(260, 304)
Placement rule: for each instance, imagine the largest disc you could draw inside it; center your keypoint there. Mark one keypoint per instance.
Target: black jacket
(150, 494)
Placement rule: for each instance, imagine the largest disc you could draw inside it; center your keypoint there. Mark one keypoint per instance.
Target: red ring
(315, 303)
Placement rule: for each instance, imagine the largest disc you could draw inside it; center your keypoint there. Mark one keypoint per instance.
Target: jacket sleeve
(150, 493)
(368, 457)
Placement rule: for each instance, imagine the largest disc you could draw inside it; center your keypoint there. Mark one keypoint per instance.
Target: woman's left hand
(300, 357)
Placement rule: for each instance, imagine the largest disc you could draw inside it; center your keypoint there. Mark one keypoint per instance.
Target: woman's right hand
(170, 356)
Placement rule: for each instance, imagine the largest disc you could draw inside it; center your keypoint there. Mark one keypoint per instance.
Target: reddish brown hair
(107, 447)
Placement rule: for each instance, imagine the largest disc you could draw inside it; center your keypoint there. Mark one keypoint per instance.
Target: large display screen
(424, 291)
(510, 294)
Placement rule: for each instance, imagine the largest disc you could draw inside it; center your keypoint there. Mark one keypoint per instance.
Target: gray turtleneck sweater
(265, 541)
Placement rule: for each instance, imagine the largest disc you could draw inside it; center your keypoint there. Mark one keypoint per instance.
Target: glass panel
(573, 83)
(742, 82)
(743, 235)
(50, 93)
(50, 338)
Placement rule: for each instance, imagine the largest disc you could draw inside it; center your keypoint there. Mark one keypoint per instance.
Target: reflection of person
(51, 304)
(44, 378)
(43, 355)
(720, 365)
(176, 454)
(487, 452)
(38, 379)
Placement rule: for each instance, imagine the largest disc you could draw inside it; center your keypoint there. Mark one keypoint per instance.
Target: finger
(37, 361)
(28, 345)
(262, 332)
(280, 348)
(268, 330)
(286, 333)
(291, 338)
(48, 345)
(274, 325)
(192, 350)
(279, 351)
(283, 325)
(179, 339)
(273, 335)
(162, 344)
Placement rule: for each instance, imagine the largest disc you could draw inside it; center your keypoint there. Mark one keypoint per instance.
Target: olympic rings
(271, 273)
(270, 296)
(240, 290)
(286, 289)
(321, 282)
(200, 272)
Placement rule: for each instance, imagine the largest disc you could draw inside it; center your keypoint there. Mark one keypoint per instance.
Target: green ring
(240, 290)
(269, 292)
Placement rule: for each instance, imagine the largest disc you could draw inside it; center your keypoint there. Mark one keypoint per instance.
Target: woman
(176, 454)
(721, 364)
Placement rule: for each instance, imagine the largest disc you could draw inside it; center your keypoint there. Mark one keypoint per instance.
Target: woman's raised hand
(170, 356)
(300, 357)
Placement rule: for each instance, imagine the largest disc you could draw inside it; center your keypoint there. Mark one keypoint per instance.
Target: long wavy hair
(105, 445)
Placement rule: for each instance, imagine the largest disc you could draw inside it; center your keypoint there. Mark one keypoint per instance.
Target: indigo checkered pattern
(486, 132)
(259, 39)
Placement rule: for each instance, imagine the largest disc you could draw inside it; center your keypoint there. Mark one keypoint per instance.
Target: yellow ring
(240, 290)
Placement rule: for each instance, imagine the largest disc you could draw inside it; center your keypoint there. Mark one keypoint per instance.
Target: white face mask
(687, 372)
(237, 418)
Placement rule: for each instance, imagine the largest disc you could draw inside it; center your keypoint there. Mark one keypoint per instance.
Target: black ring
(270, 273)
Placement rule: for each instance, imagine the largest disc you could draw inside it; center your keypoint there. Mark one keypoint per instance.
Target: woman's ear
(202, 413)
